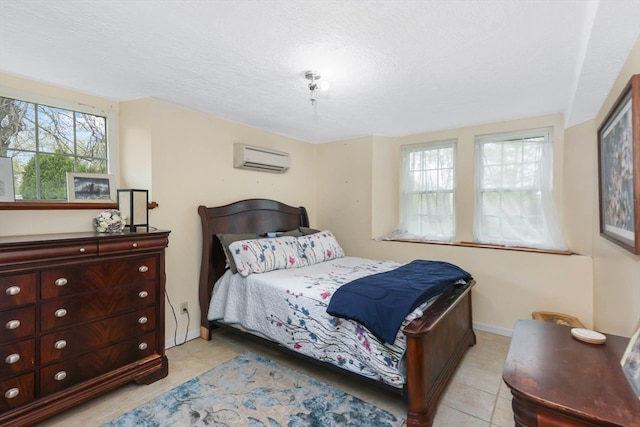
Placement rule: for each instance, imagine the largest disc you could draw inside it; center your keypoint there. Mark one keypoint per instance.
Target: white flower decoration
(111, 221)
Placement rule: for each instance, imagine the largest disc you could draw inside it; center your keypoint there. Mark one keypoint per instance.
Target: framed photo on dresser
(631, 361)
(90, 187)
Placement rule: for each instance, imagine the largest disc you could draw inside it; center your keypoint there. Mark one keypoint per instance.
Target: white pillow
(320, 247)
(262, 255)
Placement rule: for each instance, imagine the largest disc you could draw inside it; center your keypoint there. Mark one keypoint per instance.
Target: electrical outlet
(184, 307)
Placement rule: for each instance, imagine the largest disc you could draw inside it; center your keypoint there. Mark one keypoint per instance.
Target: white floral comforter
(289, 307)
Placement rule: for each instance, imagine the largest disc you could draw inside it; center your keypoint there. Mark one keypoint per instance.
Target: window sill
(46, 206)
(488, 246)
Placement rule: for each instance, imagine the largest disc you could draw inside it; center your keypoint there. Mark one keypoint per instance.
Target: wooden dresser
(557, 380)
(80, 314)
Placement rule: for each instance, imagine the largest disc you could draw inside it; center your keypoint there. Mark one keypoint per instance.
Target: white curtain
(514, 183)
(427, 201)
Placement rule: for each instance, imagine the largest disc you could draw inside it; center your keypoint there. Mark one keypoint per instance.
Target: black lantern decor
(134, 204)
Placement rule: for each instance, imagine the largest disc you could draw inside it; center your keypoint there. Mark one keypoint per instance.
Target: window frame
(112, 128)
(406, 150)
(549, 216)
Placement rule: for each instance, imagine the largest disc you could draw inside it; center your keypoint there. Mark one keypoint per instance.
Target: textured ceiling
(395, 67)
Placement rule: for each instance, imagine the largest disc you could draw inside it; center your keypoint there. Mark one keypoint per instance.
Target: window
(514, 204)
(428, 184)
(46, 142)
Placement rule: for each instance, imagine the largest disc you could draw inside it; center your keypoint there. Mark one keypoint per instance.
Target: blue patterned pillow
(262, 255)
(320, 247)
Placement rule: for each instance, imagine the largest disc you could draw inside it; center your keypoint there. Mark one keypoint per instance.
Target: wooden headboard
(259, 216)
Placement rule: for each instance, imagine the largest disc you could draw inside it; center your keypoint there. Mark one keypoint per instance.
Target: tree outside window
(46, 142)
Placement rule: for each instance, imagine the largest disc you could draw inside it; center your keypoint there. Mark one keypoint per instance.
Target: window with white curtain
(514, 181)
(427, 208)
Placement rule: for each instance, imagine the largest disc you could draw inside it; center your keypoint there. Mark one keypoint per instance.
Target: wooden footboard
(436, 344)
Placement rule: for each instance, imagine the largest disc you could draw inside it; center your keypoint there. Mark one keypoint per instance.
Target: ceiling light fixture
(313, 84)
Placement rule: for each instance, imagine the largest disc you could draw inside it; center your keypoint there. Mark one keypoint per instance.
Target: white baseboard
(492, 329)
(171, 342)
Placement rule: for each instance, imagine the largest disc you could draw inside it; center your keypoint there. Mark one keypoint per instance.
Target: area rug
(251, 390)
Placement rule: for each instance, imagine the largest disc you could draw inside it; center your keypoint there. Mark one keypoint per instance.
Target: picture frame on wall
(7, 189)
(91, 187)
(619, 169)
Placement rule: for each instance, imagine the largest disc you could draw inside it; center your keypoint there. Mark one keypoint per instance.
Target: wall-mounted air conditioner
(260, 159)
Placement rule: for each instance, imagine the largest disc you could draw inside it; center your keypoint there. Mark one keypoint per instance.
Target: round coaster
(587, 335)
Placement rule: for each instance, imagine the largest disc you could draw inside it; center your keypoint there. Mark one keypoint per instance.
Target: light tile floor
(477, 396)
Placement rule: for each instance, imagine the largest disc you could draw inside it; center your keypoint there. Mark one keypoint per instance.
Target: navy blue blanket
(381, 302)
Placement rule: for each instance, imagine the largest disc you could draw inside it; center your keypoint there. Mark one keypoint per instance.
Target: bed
(433, 344)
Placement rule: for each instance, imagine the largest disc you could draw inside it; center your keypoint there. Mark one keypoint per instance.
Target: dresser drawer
(17, 357)
(16, 391)
(80, 314)
(17, 323)
(17, 290)
(89, 307)
(47, 251)
(83, 278)
(78, 369)
(132, 245)
(86, 338)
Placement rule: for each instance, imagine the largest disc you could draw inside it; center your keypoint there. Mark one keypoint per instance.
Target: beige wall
(344, 190)
(192, 164)
(616, 270)
(360, 202)
(579, 179)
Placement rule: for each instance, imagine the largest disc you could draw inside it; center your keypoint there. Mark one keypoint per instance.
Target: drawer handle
(61, 312)
(82, 250)
(142, 346)
(12, 393)
(61, 281)
(60, 376)
(143, 320)
(143, 294)
(60, 344)
(13, 290)
(13, 324)
(135, 245)
(12, 358)
(143, 269)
